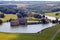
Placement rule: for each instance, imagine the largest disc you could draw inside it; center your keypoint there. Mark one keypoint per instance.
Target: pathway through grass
(58, 36)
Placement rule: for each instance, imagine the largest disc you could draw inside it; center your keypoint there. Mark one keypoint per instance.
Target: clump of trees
(2, 15)
(1, 21)
(56, 10)
(55, 21)
(57, 14)
(7, 10)
(44, 21)
(37, 16)
(22, 13)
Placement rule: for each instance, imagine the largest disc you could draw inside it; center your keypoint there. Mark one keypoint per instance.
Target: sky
(29, 0)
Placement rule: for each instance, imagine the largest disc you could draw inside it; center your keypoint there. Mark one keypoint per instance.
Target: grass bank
(53, 14)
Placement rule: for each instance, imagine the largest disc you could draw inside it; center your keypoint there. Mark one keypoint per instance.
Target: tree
(22, 12)
(37, 16)
(2, 15)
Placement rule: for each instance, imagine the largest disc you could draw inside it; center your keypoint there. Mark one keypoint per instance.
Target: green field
(44, 35)
(53, 14)
(8, 16)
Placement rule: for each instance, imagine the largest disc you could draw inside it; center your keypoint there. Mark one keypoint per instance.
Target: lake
(5, 27)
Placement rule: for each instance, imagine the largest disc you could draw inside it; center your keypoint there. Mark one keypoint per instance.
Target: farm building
(19, 21)
(14, 22)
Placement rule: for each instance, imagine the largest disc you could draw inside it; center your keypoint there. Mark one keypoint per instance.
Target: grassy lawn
(8, 16)
(33, 19)
(44, 35)
(58, 36)
(6, 36)
(53, 14)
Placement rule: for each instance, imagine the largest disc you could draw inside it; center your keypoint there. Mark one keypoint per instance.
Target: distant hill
(37, 6)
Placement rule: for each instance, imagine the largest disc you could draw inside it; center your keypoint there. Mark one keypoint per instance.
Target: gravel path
(55, 34)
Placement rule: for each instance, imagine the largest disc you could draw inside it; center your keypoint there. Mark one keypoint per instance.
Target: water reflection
(5, 27)
(13, 27)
